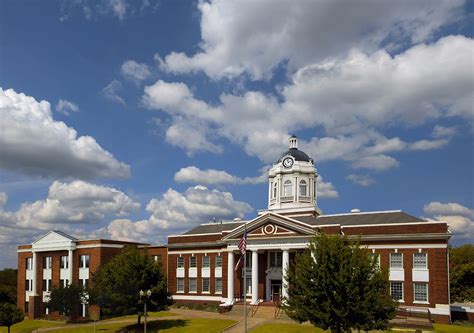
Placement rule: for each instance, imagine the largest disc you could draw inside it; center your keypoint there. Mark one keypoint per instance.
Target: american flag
(243, 243)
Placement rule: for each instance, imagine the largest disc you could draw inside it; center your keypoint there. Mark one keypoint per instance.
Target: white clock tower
(292, 182)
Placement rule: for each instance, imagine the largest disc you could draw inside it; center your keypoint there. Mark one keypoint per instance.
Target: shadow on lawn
(155, 325)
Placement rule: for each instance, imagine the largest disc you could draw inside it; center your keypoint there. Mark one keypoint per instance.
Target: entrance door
(275, 290)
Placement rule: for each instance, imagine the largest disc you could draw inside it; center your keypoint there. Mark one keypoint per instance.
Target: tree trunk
(139, 318)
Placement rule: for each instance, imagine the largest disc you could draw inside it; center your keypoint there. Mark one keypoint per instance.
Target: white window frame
(206, 262)
(275, 190)
(403, 292)
(393, 255)
(64, 263)
(219, 261)
(417, 266)
(48, 262)
(178, 289)
(29, 264)
(204, 291)
(193, 258)
(178, 264)
(303, 185)
(84, 261)
(275, 259)
(193, 284)
(288, 188)
(423, 301)
(216, 289)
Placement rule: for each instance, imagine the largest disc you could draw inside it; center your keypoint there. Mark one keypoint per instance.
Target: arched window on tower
(303, 188)
(287, 189)
(275, 189)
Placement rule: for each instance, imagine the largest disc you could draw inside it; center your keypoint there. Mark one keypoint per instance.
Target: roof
(363, 218)
(297, 154)
(211, 228)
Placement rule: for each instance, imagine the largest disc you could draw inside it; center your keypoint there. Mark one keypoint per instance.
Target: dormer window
(303, 188)
(287, 188)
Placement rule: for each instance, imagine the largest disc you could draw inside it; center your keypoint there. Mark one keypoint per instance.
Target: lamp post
(142, 295)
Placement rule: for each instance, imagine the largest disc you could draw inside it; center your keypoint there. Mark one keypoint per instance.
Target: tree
(462, 273)
(67, 299)
(335, 284)
(9, 315)
(8, 285)
(116, 285)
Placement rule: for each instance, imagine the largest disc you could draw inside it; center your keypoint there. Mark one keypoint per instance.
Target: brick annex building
(200, 263)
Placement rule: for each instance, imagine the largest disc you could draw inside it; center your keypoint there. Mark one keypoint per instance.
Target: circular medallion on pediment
(269, 229)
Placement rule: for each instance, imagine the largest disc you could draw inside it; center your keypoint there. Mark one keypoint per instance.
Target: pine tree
(336, 284)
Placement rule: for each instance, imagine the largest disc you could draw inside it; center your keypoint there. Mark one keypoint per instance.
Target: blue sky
(136, 120)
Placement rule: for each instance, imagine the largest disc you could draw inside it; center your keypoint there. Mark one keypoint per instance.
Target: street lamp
(142, 295)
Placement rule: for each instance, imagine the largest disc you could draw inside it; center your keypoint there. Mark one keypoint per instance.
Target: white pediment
(54, 240)
(271, 225)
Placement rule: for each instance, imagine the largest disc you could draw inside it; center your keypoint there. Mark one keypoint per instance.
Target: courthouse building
(201, 262)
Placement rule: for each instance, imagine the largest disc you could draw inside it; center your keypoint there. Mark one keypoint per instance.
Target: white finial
(293, 142)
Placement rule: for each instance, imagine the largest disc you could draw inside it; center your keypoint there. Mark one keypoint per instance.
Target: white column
(254, 276)
(70, 266)
(35, 272)
(230, 277)
(285, 264)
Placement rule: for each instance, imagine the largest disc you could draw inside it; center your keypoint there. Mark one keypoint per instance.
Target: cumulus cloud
(135, 71)
(177, 212)
(3, 199)
(235, 39)
(192, 174)
(362, 180)
(33, 143)
(112, 90)
(459, 218)
(66, 107)
(350, 100)
(326, 190)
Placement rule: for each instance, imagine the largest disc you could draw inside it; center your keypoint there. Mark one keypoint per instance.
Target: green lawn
(194, 325)
(26, 326)
(150, 315)
(291, 328)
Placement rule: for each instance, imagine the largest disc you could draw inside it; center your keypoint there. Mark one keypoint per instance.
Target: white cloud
(135, 71)
(443, 132)
(192, 174)
(326, 190)
(351, 99)
(77, 202)
(362, 180)
(459, 218)
(178, 212)
(3, 199)
(34, 143)
(235, 39)
(111, 92)
(65, 107)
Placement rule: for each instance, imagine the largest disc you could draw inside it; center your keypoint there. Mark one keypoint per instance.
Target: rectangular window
(46, 284)
(27, 305)
(376, 257)
(180, 285)
(29, 264)
(396, 260)
(192, 285)
(218, 285)
(248, 256)
(218, 261)
(84, 263)
(180, 262)
(276, 259)
(420, 260)
(84, 283)
(206, 262)
(205, 285)
(27, 285)
(193, 262)
(64, 262)
(157, 258)
(47, 262)
(396, 290)
(420, 291)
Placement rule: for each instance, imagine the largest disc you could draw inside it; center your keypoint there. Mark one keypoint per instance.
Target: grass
(286, 328)
(193, 325)
(291, 328)
(26, 326)
(150, 315)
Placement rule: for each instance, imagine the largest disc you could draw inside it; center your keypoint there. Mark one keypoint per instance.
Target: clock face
(287, 162)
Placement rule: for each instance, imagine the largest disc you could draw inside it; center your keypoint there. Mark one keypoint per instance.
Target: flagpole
(245, 281)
